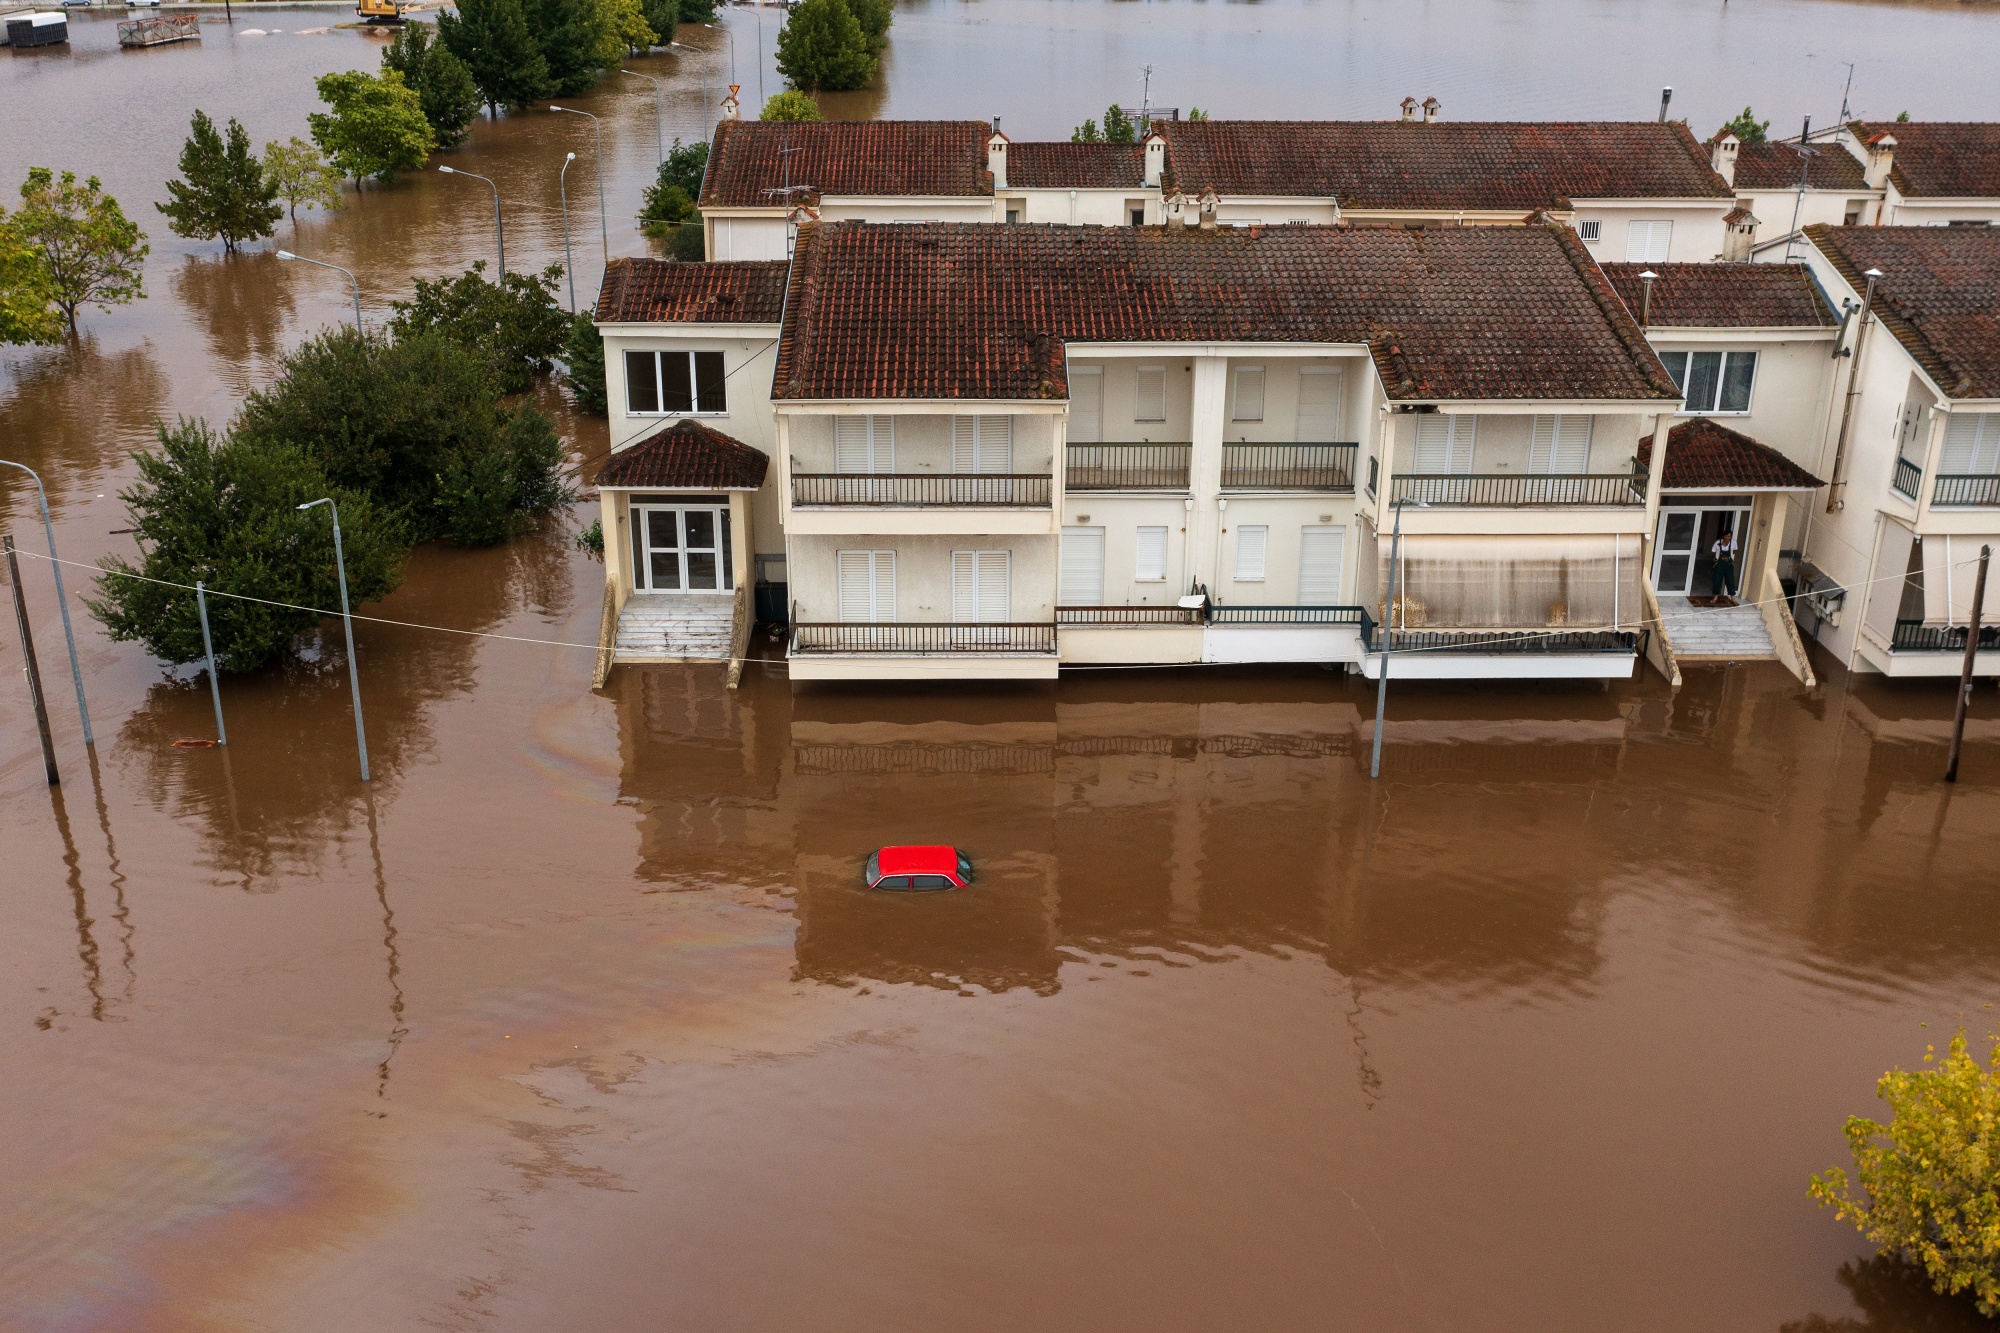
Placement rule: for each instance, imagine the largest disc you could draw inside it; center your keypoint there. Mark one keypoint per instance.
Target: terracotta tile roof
(1368, 164)
(1076, 166)
(1703, 455)
(953, 310)
(1941, 159)
(1940, 295)
(845, 157)
(1775, 166)
(1726, 296)
(686, 456)
(667, 291)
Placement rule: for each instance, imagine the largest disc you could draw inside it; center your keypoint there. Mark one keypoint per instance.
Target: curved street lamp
(62, 599)
(347, 623)
(287, 254)
(602, 225)
(569, 264)
(499, 233)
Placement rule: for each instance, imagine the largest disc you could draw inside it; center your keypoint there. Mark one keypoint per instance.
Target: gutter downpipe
(1836, 499)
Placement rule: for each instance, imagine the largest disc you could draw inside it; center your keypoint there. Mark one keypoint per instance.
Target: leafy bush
(515, 324)
(591, 539)
(823, 47)
(376, 126)
(299, 175)
(1931, 1176)
(791, 105)
(443, 84)
(225, 194)
(584, 355)
(687, 244)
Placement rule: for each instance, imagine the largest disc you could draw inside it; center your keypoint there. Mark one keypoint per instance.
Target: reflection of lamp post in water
(499, 234)
(62, 599)
(659, 134)
(287, 254)
(569, 264)
(598, 125)
(347, 623)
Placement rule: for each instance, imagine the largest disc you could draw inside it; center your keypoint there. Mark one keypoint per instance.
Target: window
(1969, 222)
(1082, 573)
(982, 444)
(1149, 393)
(980, 593)
(1086, 404)
(669, 383)
(1319, 405)
(864, 444)
(1560, 444)
(1249, 394)
(1444, 442)
(1013, 215)
(1320, 551)
(1852, 217)
(1138, 216)
(1646, 242)
(1252, 539)
(1590, 229)
(867, 586)
(1712, 381)
(1149, 559)
(1247, 222)
(1971, 445)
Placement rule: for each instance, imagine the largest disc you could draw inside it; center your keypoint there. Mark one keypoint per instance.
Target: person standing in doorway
(1722, 574)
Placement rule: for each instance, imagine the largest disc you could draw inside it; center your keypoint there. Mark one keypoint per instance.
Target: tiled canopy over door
(1560, 444)
(1082, 574)
(1086, 405)
(867, 590)
(864, 444)
(982, 444)
(1444, 442)
(980, 590)
(1319, 405)
(1320, 551)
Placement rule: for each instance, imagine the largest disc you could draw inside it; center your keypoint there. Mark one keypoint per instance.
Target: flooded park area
(578, 1017)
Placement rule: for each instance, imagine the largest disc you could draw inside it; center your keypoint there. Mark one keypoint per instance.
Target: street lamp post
(62, 599)
(569, 265)
(347, 623)
(1388, 638)
(602, 225)
(499, 233)
(287, 254)
(659, 133)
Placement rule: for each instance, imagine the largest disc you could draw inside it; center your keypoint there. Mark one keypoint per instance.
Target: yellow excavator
(380, 11)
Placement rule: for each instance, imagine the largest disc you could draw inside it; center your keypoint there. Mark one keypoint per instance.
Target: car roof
(917, 861)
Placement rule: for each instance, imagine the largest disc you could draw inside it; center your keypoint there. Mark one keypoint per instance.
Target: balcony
(1914, 636)
(1128, 615)
(1290, 615)
(1976, 490)
(1504, 641)
(917, 490)
(1288, 467)
(1909, 479)
(811, 638)
(1127, 467)
(1528, 490)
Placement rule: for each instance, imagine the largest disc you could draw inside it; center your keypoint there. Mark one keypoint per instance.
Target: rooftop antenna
(1146, 95)
(1845, 114)
(1666, 96)
(785, 151)
(1806, 154)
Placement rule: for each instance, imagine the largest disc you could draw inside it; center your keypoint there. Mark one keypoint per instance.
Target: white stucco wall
(1698, 233)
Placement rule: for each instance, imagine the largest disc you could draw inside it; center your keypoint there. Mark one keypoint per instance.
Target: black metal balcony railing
(1914, 636)
(1127, 467)
(916, 638)
(989, 490)
(1128, 615)
(1909, 478)
(1968, 489)
(1520, 490)
(1505, 641)
(1288, 467)
(1288, 615)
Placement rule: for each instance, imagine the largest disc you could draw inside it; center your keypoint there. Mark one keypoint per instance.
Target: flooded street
(576, 1017)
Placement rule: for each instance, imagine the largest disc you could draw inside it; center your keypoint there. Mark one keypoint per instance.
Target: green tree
(1118, 128)
(1747, 128)
(1902, 117)
(1196, 113)
(1931, 1176)
(629, 30)
(514, 325)
(576, 42)
(88, 251)
(662, 16)
(670, 212)
(299, 175)
(376, 127)
(874, 16)
(822, 48)
(791, 105)
(224, 511)
(225, 193)
(440, 79)
(27, 300)
(1086, 133)
(697, 11)
(492, 38)
(583, 355)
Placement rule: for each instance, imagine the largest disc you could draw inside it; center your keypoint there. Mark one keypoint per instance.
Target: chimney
(1666, 96)
(1208, 203)
(1156, 160)
(1722, 156)
(1177, 210)
(1739, 235)
(1881, 157)
(730, 106)
(1430, 110)
(1646, 298)
(1409, 109)
(996, 156)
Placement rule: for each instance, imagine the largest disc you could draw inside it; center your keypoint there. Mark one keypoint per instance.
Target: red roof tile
(1448, 166)
(845, 157)
(1775, 166)
(952, 310)
(1941, 159)
(1940, 295)
(1076, 166)
(668, 291)
(1726, 296)
(1705, 456)
(685, 456)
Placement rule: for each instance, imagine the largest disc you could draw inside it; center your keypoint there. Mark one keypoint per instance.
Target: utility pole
(62, 599)
(31, 669)
(1965, 672)
(208, 650)
(347, 623)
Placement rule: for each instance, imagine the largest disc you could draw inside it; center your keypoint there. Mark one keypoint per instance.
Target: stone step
(1737, 632)
(676, 628)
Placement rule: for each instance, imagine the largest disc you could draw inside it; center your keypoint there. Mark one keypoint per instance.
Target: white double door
(1684, 554)
(681, 548)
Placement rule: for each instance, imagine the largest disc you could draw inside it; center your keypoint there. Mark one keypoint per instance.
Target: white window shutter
(964, 444)
(1082, 572)
(1086, 405)
(882, 444)
(1542, 445)
(965, 587)
(1647, 242)
(885, 585)
(1321, 550)
(1149, 391)
(1251, 541)
(1462, 430)
(1971, 444)
(1149, 564)
(1319, 405)
(996, 594)
(1249, 394)
(1433, 443)
(1572, 452)
(855, 575)
(850, 444)
(996, 444)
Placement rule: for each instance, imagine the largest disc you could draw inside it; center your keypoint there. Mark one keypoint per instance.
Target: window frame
(1140, 572)
(1239, 566)
(1253, 374)
(1728, 356)
(1139, 373)
(707, 379)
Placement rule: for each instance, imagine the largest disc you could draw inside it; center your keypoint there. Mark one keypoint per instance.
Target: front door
(1673, 562)
(681, 549)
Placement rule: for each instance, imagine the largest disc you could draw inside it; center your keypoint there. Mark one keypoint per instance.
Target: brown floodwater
(576, 1018)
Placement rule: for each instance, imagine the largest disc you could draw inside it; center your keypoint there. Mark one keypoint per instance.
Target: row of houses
(1481, 414)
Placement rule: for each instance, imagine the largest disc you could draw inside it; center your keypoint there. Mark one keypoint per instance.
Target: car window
(893, 882)
(931, 882)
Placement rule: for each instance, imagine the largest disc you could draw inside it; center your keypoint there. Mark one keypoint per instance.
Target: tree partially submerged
(492, 38)
(442, 83)
(88, 251)
(300, 175)
(375, 127)
(583, 355)
(823, 48)
(224, 193)
(514, 325)
(27, 300)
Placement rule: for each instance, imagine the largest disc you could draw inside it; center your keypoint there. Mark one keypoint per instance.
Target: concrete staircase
(1707, 634)
(663, 627)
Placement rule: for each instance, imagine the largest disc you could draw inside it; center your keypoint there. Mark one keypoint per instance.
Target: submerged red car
(918, 869)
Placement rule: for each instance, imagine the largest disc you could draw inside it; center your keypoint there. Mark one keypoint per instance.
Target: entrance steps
(669, 627)
(1715, 634)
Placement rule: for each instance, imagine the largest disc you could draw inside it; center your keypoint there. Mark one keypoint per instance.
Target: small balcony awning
(1703, 455)
(686, 456)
